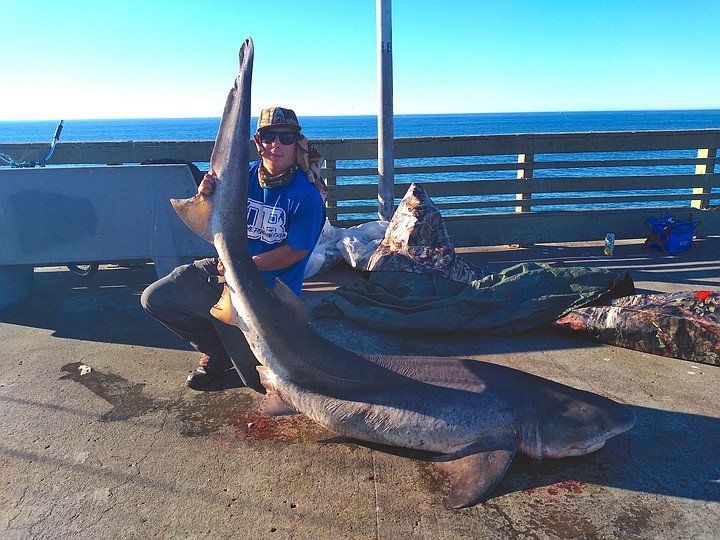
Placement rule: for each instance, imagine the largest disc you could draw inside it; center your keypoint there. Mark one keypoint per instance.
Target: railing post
(386, 130)
(524, 174)
(705, 168)
(330, 181)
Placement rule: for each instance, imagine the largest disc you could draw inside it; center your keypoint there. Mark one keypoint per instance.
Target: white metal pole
(386, 164)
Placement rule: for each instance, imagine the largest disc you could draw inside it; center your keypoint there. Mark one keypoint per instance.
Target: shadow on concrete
(103, 308)
(697, 266)
(666, 453)
(106, 308)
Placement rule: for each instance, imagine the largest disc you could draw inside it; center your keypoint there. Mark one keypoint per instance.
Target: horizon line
(200, 117)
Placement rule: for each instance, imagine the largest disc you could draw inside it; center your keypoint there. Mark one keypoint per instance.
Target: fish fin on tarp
(473, 477)
(224, 311)
(272, 403)
(195, 212)
(289, 299)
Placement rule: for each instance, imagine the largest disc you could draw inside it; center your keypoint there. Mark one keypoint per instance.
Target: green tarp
(519, 298)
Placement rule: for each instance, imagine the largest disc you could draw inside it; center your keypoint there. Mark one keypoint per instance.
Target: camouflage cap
(277, 116)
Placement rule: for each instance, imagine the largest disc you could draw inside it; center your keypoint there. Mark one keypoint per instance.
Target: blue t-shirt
(293, 214)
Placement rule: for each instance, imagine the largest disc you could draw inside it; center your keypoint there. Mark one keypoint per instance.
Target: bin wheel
(84, 270)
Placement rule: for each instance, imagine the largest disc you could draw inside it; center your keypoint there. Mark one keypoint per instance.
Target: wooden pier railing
(496, 189)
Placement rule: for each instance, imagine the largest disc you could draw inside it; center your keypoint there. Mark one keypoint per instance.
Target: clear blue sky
(152, 58)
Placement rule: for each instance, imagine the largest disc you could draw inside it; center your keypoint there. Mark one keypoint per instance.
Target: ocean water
(337, 127)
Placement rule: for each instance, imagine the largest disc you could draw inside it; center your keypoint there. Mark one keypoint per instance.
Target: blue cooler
(671, 235)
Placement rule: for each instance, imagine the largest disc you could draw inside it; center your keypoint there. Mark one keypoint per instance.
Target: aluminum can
(609, 244)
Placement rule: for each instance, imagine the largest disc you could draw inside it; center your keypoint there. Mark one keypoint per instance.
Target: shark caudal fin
(195, 212)
(473, 477)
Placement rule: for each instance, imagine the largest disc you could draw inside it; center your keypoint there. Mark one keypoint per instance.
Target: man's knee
(158, 295)
(185, 289)
(146, 299)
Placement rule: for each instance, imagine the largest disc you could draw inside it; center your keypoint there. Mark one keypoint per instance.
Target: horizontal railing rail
(493, 189)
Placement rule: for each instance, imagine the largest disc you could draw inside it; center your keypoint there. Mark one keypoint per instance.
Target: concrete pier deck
(126, 451)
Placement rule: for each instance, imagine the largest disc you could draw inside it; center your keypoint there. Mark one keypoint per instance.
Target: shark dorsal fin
(287, 297)
(195, 212)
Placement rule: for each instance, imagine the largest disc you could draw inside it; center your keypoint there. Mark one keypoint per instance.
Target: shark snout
(622, 420)
(580, 427)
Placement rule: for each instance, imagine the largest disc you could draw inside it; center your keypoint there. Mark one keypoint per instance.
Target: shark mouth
(581, 451)
(573, 451)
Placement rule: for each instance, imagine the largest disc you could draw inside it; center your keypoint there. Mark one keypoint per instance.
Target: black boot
(213, 375)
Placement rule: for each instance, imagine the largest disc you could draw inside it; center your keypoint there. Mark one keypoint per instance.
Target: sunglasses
(286, 137)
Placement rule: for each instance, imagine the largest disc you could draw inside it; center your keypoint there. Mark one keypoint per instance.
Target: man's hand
(207, 185)
(220, 278)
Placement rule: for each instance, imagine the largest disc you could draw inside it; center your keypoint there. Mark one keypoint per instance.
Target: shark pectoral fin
(473, 477)
(223, 308)
(195, 212)
(224, 311)
(272, 403)
(288, 298)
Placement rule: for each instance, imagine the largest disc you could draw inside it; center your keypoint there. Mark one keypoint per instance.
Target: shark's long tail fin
(229, 160)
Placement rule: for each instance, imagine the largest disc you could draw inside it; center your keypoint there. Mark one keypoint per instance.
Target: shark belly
(417, 417)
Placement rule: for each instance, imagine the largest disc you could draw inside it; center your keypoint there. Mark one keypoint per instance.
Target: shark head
(576, 427)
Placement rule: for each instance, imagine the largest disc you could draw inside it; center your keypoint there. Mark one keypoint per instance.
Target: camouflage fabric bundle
(683, 325)
(417, 241)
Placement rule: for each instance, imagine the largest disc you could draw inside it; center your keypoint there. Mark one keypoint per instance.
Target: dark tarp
(519, 298)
